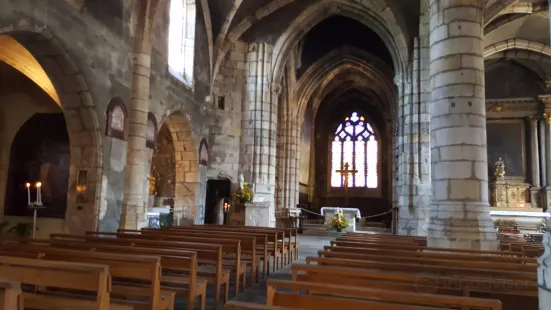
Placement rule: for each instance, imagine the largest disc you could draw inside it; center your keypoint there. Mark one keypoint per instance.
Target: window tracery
(355, 143)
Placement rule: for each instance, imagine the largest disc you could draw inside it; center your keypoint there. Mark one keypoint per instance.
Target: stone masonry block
(465, 190)
(453, 170)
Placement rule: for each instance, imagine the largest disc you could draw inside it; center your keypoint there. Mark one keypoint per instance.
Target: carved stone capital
(276, 88)
(546, 101)
(398, 79)
(547, 118)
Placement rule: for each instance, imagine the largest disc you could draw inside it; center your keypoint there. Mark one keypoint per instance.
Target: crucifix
(345, 172)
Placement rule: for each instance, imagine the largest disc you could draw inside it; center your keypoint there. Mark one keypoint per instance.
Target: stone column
(259, 123)
(543, 153)
(287, 155)
(459, 214)
(535, 160)
(134, 204)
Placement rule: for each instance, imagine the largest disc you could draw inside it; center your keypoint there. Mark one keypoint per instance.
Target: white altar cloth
(349, 213)
(333, 210)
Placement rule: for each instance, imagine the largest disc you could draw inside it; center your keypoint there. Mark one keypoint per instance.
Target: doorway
(217, 190)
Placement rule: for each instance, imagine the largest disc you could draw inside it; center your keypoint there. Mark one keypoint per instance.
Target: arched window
(355, 143)
(117, 122)
(181, 40)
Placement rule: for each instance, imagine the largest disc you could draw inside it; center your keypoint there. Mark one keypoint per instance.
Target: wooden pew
(239, 305)
(429, 261)
(433, 254)
(232, 247)
(137, 268)
(390, 246)
(513, 294)
(421, 241)
(248, 244)
(171, 260)
(11, 296)
(262, 243)
(463, 271)
(405, 298)
(208, 255)
(274, 236)
(91, 278)
(287, 238)
(291, 233)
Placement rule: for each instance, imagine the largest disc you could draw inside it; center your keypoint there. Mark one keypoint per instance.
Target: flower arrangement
(339, 221)
(243, 194)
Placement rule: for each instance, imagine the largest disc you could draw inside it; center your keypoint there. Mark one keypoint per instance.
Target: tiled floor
(309, 245)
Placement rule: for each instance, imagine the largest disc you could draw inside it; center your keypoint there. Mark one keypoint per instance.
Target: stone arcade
(123, 107)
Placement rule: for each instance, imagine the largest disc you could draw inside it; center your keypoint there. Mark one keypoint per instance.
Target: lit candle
(39, 193)
(28, 186)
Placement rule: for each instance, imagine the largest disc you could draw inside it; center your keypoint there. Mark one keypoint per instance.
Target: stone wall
(225, 127)
(88, 57)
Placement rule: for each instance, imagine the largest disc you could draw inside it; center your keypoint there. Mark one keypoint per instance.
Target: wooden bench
(291, 233)
(432, 254)
(274, 237)
(232, 247)
(171, 260)
(463, 271)
(126, 267)
(316, 302)
(512, 293)
(390, 246)
(288, 240)
(11, 296)
(452, 262)
(92, 278)
(248, 244)
(422, 241)
(209, 257)
(238, 305)
(261, 250)
(406, 298)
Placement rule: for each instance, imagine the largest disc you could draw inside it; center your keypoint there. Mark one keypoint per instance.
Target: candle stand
(35, 207)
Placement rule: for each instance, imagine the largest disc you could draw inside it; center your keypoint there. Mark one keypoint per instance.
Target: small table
(351, 214)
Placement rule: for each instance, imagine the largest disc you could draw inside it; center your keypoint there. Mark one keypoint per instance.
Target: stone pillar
(134, 204)
(413, 153)
(288, 154)
(543, 153)
(259, 123)
(459, 212)
(535, 161)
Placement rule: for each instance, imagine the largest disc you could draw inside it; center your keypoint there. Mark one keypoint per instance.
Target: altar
(351, 214)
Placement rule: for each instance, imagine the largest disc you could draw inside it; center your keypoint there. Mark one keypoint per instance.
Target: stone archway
(187, 178)
(47, 63)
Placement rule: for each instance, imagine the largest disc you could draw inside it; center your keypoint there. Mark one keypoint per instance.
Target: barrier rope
(365, 217)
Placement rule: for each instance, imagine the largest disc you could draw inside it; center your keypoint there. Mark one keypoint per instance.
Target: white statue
(241, 180)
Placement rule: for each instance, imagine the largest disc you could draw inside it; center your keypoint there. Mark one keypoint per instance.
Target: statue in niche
(241, 180)
(499, 171)
(153, 181)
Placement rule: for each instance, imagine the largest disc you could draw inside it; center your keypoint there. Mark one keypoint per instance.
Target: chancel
(374, 140)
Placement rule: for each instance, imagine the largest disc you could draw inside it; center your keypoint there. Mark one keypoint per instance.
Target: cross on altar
(345, 172)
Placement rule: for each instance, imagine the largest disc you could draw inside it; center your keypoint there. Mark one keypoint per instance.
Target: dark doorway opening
(217, 190)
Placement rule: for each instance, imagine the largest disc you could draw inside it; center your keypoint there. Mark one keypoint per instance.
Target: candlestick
(39, 193)
(28, 186)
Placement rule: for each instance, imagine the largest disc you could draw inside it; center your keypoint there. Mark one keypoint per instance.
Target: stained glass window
(355, 143)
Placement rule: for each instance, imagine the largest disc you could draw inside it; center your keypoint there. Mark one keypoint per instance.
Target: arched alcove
(40, 152)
